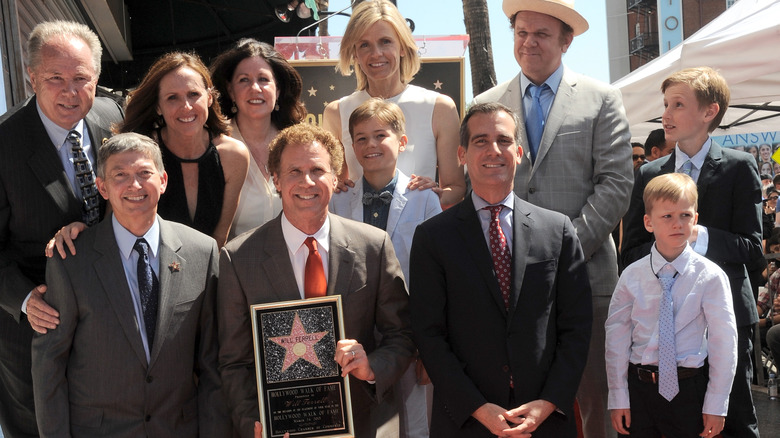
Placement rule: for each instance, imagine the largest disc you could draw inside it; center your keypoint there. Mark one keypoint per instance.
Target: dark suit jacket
(91, 377)
(255, 268)
(471, 346)
(36, 199)
(730, 208)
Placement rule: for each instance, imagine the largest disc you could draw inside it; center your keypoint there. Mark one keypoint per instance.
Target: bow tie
(385, 197)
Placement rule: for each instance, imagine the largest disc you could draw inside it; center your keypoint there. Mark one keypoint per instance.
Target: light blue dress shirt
(547, 96)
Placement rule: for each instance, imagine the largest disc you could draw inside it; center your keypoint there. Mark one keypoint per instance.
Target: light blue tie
(687, 168)
(534, 120)
(668, 386)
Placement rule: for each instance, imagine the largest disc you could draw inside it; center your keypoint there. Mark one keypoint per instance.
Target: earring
(234, 108)
(276, 107)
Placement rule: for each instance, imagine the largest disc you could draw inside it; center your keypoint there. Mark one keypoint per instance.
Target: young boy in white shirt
(691, 328)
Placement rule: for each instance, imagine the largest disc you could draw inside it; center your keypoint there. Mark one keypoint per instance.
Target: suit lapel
(560, 107)
(341, 259)
(171, 286)
(356, 202)
(45, 164)
(398, 203)
(277, 266)
(112, 276)
(521, 234)
(709, 169)
(470, 231)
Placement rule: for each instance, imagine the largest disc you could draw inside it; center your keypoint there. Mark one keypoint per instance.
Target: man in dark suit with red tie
(500, 299)
(41, 190)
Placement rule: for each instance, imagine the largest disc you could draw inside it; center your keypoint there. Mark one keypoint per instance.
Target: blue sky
(587, 55)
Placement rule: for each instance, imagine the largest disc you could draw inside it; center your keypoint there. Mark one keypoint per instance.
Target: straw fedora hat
(560, 9)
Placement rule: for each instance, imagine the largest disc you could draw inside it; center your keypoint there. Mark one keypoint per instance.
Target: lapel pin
(174, 266)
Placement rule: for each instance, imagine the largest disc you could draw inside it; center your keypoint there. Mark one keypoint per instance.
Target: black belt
(649, 373)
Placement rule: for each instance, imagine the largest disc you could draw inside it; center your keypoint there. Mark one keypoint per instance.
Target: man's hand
(529, 416)
(41, 315)
(493, 417)
(422, 375)
(713, 425)
(344, 185)
(621, 420)
(353, 360)
(65, 237)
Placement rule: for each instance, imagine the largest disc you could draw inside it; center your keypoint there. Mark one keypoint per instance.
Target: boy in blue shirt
(671, 312)
(382, 198)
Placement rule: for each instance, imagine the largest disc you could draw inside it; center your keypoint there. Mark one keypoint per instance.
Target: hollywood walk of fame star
(299, 344)
(437, 85)
(312, 91)
(332, 87)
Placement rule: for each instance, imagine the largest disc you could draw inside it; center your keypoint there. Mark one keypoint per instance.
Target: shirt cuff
(24, 303)
(702, 241)
(618, 399)
(715, 404)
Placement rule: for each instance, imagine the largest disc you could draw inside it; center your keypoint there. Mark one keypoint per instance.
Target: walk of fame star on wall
(299, 344)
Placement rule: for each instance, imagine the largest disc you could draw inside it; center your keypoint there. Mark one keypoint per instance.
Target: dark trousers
(652, 416)
(741, 419)
(17, 415)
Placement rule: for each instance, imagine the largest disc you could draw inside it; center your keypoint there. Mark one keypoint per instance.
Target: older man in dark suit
(272, 263)
(135, 353)
(500, 299)
(44, 184)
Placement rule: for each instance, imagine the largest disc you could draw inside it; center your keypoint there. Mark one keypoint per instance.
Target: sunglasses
(637, 157)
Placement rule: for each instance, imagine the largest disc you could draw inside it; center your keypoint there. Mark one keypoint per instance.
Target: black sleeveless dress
(211, 190)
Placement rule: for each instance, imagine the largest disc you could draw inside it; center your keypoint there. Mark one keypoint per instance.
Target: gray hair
(47, 30)
(486, 108)
(128, 142)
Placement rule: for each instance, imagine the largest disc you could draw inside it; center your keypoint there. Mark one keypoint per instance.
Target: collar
(390, 187)
(294, 237)
(56, 133)
(126, 240)
(553, 81)
(658, 261)
(698, 160)
(480, 203)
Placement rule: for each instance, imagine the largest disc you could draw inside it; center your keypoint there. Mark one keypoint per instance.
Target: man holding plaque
(500, 299)
(304, 253)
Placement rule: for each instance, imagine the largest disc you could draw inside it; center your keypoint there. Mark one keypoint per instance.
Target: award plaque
(299, 385)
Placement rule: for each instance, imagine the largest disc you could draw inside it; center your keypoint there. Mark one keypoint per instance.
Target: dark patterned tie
(85, 178)
(499, 250)
(149, 288)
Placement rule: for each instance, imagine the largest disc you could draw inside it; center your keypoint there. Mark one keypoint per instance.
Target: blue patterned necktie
(534, 120)
(687, 168)
(668, 386)
(85, 178)
(149, 287)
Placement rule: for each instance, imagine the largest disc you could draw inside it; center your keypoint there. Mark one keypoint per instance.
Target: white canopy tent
(743, 44)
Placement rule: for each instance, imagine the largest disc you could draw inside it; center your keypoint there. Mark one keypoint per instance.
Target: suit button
(532, 190)
(149, 379)
(505, 368)
(148, 418)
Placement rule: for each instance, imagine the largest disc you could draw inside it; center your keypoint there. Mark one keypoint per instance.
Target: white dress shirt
(704, 325)
(126, 241)
(298, 251)
(680, 157)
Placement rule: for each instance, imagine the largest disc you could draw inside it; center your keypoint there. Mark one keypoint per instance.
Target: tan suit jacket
(255, 268)
(90, 375)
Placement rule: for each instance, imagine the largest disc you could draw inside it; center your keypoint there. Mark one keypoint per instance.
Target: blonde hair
(670, 187)
(708, 86)
(386, 112)
(364, 16)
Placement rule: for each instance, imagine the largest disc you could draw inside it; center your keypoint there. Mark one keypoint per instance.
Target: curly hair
(305, 134)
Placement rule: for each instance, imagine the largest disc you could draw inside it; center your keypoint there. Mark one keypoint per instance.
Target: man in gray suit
(135, 353)
(575, 133)
(40, 193)
(272, 263)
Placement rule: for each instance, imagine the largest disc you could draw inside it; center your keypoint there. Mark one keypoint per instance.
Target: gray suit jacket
(90, 374)
(583, 168)
(255, 268)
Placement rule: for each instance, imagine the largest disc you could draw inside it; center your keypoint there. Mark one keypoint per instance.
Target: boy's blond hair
(670, 187)
(386, 112)
(708, 86)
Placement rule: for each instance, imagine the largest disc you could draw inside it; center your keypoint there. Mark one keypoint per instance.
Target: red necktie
(314, 283)
(502, 258)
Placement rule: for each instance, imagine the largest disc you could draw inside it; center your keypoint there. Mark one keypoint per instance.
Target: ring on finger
(353, 353)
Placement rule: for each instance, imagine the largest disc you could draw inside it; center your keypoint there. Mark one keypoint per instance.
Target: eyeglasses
(772, 198)
(638, 157)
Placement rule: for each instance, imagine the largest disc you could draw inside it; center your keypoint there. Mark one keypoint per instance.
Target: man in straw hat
(567, 120)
